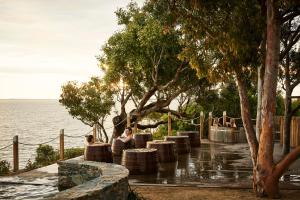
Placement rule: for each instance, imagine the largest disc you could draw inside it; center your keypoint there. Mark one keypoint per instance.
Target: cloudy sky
(44, 43)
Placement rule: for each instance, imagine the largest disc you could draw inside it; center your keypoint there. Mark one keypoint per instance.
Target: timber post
(128, 120)
(169, 124)
(201, 126)
(16, 153)
(224, 118)
(135, 127)
(61, 144)
(209, 123)
(94, 133)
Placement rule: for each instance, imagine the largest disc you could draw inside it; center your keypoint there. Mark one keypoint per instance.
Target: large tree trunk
(119, 122)
(246, 118)
(266, 183)
(247, 123)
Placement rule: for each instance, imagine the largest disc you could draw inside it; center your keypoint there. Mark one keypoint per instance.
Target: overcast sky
(44, 43)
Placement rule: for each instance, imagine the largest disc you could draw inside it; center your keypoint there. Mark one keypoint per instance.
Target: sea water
(35, 122)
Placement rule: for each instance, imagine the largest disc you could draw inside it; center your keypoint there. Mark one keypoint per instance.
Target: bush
(30, 165)
(73, 152)
(45, 155)
(4, 167)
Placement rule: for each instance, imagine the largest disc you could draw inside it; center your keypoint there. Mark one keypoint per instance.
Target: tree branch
(173, 112)
(125, 100)
(290, 16)
(134, 101)
(176, 77)
(104, 131)
(283, 164)
(294, 84)
(294, 38)
(160, 104)
(143, 127)
(146, 97)
(246, 118)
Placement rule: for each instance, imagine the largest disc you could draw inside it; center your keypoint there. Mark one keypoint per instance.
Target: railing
(295, 133)
(15, 145)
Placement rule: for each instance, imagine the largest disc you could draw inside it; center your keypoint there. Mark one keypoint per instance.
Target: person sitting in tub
(89, 139)
(127, 138)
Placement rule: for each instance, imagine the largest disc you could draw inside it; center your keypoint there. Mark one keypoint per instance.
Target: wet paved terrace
(211, 165)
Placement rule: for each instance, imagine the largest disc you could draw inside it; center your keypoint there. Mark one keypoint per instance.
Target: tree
(89, 102)
(226, 39)
(143, 58)
(289, 74)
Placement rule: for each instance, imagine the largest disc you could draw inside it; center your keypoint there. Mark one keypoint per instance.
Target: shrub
(73, 152)
(45, 155)
(4, 167)
(30, 165)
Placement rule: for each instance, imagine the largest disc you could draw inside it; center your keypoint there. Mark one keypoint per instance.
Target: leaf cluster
(89, 102)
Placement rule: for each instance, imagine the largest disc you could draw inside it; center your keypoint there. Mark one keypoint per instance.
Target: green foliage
(295, 104)
(220, 36)
(30, 165)
(279, 105)
(45, 155)
(89, 102)
(73, 152)
(144, 53)
(4, 167)
(177, 125)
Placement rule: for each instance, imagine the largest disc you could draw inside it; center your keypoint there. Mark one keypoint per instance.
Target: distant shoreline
(27, 99)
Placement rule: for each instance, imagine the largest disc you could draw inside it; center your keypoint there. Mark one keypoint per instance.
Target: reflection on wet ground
(36, 184)
(211, 164)
(18, 188)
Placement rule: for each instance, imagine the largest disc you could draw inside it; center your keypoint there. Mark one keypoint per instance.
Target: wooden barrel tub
(182, 143)
(167, 170)
(99, 152)
(141, 139)
(193, 135)
(227, 135)
(166, 150)
(140, 161)
(183, 161)
(117, 147)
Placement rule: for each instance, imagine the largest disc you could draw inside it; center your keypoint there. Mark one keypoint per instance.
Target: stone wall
(91, 180)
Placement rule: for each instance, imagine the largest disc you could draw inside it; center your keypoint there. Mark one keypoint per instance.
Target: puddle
(26, 191)
(27, 187)
(210, 164)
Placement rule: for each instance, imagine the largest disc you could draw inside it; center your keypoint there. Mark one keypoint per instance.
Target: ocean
(35, 122)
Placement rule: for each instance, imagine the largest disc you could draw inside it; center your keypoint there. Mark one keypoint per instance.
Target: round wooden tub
(140, 161)
(117, 147)
(100, 152)
(166, 150)
(182, 143)
(227, 135)
(142, 139)
(193, 135)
